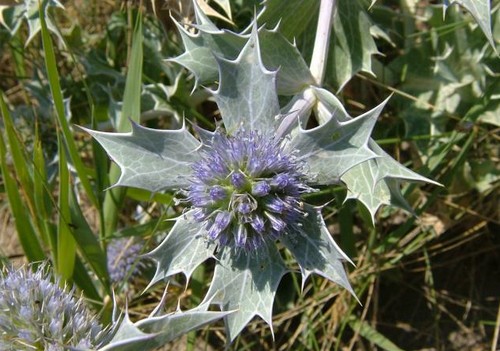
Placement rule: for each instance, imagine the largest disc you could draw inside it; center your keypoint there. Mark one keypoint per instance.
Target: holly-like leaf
(170, 327)
(293, 16)
(226, 6)
(352, 43)
(276, 52)
(11, 17)
(315, 251)
(127, 337)
(246, 283)
(362, 185)
(246, 96)
(210, 11)
(481, 11)
(201, 47)
(30, 10)
(184, 249)
(155, 331)
(151, 159)
(334, 147)
(375, 182)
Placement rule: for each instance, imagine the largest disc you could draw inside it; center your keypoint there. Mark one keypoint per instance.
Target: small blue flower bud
(222, 220)
(276, 223)
(238, 180)
(275, 204)
(261, 188)
(241, 235)
(258, 224)
(280, 181)
(218, 193)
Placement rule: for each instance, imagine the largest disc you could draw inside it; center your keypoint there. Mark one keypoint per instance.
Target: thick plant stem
(322, 40)
(301, 106)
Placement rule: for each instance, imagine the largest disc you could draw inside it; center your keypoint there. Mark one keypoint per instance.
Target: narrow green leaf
(87, 242)
(24, 226)
(57, 97)
(83, 280)
(17, 152)
(131, 111)
(372, 335)
(41, 192)
(66, 246)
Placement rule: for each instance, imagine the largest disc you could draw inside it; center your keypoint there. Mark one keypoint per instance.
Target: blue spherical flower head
(36, 313)
(122, 259)
(247, 189)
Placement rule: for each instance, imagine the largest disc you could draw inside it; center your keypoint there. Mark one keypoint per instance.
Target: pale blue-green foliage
(377, 181)
(155, 330)
(211, 44)
(246, 282)
(29, 10)
(151, 159)
(247, 99)
(253, 68)
(352, 44)
(480, 10)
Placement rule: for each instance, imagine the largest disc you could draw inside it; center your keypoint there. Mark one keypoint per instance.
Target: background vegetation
(425, 281)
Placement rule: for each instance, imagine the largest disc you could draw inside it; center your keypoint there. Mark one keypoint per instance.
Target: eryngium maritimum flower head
(246, 190)
(246, 185)
(122, 262)
(37, 314)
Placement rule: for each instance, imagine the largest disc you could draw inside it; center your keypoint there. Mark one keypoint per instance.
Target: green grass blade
(42, 194)
(133, 86)
(55, 88)
(30, 180)
(17, 152)
(131, 110)
(24, 226)
(87, 242)
(83, 280)
(346, 224)
(66, 246)
(372, 335)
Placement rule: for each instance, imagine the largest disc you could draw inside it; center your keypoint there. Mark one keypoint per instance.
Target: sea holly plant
(38, 313)
(243, 184)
